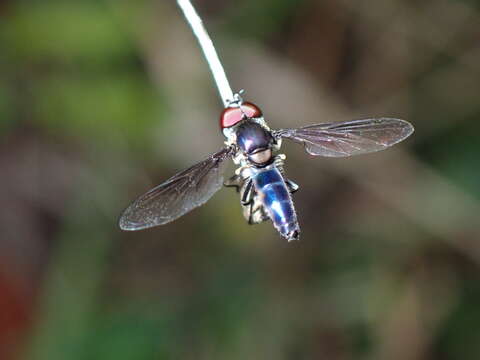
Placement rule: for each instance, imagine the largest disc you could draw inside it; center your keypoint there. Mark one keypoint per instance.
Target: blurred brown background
(101, 100)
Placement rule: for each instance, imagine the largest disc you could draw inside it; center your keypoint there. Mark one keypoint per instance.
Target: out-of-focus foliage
(80, 68)
(100, 100)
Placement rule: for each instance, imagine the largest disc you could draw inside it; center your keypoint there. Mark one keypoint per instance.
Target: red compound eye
(233, 115)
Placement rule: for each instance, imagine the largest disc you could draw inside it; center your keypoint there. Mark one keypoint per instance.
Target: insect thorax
(240, 157)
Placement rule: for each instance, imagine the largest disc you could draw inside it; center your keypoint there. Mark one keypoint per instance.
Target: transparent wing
(178, 195)
(349, 138)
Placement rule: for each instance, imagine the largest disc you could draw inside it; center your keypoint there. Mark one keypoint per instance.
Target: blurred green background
(101, 100)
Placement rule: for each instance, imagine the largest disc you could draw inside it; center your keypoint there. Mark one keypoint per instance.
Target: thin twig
(209, 51)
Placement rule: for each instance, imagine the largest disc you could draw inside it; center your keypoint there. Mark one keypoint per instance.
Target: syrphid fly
(265, 191)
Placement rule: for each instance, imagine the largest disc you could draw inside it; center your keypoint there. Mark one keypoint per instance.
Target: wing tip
(407, 130)
(126, 225)
(127, 222)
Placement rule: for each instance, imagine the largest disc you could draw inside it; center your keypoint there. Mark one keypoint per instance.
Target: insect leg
(248, 213)
(257, 213)
(247, 193)
(253, 209)
(279, 161)
(235, 181)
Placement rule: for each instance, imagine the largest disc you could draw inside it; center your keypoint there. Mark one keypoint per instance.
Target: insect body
(275, 198)
(265, 192)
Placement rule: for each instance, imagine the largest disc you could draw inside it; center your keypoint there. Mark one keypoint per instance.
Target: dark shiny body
(252, 137)
(275, 197)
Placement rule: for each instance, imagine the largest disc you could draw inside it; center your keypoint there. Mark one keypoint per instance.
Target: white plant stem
(209, 51)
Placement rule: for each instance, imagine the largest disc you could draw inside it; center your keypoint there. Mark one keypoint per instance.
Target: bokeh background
(101, 100)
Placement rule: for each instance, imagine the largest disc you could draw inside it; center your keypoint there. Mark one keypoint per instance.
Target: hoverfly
(265, 191)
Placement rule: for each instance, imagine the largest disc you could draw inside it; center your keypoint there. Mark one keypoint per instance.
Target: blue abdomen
(276, 199)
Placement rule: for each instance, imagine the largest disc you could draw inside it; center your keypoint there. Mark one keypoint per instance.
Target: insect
(265, 191)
